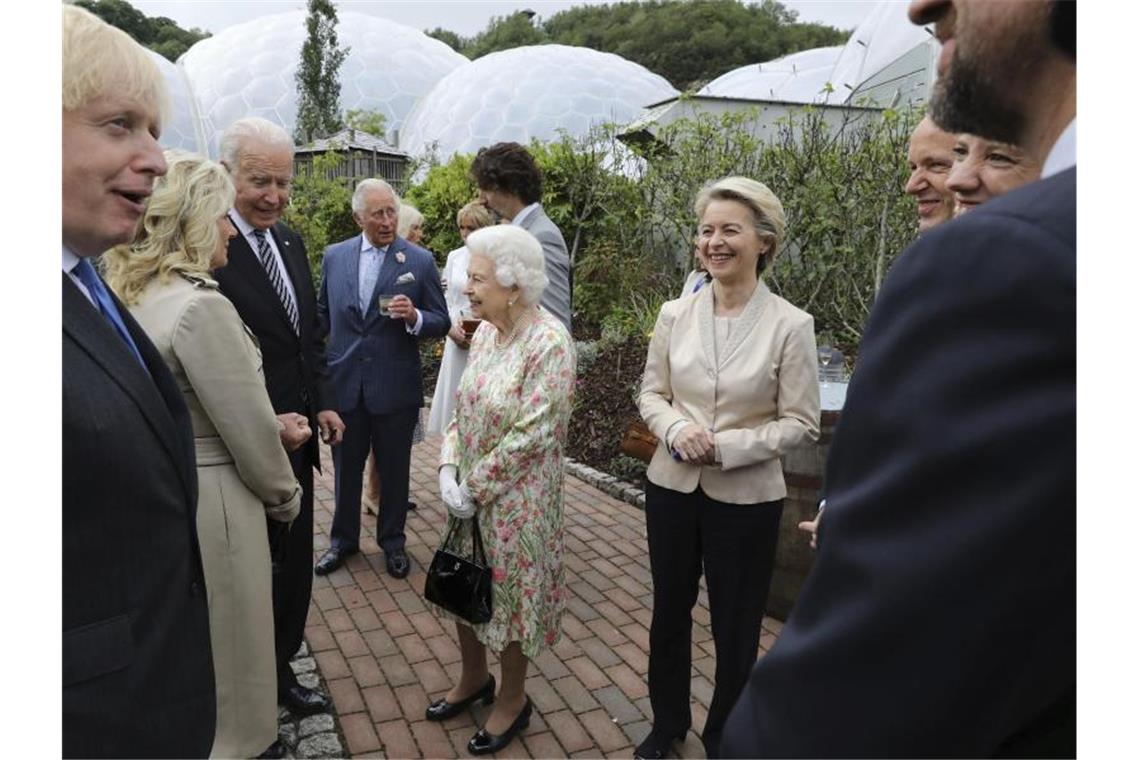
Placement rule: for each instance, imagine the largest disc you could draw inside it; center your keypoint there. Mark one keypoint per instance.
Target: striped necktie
(265, 253)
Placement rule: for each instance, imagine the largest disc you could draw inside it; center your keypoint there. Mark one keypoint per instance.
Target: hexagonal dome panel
(797, 78)
(248, 69)
(182, 127)
(529, 92)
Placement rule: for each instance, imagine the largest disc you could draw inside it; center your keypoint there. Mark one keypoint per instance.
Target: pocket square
(405, 278)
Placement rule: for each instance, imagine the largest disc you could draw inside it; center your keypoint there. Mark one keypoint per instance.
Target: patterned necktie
(265, 253)
(86, 274)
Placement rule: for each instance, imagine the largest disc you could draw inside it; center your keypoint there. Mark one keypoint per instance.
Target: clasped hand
(456, 497)
(695, 444)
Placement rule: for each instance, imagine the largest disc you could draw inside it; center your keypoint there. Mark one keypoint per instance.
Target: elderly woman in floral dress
(501, 460)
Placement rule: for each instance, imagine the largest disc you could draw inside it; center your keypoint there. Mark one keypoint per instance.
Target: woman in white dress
(470, 218)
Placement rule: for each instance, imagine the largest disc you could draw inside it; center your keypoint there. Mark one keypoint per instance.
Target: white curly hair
(516, 256)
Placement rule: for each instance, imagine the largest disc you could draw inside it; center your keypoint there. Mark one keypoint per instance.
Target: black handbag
(459, 585)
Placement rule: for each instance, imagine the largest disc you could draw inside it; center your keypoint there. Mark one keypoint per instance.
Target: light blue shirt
(371, 260)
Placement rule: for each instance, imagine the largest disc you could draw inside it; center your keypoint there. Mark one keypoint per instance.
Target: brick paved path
(385, 655)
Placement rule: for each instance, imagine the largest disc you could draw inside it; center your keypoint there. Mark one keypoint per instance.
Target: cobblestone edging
(608, 484)
(309, 736)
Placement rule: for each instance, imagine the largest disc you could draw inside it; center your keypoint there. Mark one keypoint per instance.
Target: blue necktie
(86, 274)
(371, 273)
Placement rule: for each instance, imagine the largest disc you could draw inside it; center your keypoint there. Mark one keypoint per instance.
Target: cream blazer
(760, 399)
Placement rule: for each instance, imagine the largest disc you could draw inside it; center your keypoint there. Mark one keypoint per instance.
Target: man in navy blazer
(374, 364)
(940, 616)
(138, 677)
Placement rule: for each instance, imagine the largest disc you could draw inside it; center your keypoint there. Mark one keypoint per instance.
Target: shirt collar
(245, 228)
(523, 215)
(366, 245)
(1063, 155)
(70, 260)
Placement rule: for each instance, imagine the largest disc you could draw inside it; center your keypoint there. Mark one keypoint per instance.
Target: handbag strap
(478, 555)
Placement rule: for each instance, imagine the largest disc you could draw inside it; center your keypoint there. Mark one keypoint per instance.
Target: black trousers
(293, 582)
(736, 544)
(389, 436)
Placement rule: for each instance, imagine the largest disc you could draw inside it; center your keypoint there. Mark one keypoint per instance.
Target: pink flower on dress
(498, 575)
(551, 635)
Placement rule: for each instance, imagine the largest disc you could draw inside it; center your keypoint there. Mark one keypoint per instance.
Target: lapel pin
(400, 258)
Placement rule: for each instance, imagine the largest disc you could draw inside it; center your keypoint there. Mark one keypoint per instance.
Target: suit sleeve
(317, 334)
(655, 400)
(437, 321)
(939, 618)
(221, 364)
(556, 297)
(797, 406)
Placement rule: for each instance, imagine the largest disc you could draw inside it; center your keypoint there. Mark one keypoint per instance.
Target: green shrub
(320, 209)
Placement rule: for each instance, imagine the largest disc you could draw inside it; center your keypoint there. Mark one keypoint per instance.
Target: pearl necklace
(524, 320)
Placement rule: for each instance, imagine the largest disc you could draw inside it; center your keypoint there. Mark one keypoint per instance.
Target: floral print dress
(506, 440)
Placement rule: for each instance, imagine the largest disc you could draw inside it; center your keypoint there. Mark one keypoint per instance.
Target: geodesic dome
(248, 69)
(796, 78)
(182, 127)
(529, 92)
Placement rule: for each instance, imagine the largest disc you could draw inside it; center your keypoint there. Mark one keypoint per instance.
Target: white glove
(451, 493)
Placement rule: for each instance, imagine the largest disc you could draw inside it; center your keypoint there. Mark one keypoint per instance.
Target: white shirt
(70, 261)
(1063, 154)
(247, 231)
(365, 247)
(523, 215)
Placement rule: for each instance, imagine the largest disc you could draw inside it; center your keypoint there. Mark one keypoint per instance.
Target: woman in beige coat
(243, 472)
(730, 385)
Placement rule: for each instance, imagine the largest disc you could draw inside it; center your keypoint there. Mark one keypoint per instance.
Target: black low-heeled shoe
(657, 744)
(441, 709)
(484, 742)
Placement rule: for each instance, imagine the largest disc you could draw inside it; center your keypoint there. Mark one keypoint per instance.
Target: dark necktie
(265, 253)
(86, 274)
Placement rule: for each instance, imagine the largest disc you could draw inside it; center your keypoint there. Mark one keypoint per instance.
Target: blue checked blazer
(371, 356)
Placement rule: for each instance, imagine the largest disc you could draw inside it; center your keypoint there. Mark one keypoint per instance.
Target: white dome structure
(796, 78)
(886, 59)
(248, 69)
(529, 92)
(182, 128)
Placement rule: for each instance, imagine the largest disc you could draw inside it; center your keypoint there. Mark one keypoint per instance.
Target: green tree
(160, 34)
(320, 208)
(318, 76)
(449, 38)
(367, 120)
(445, 189)
(503, 33)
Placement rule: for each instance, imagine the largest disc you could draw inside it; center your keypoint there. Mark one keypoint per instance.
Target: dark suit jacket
(940, 616)
(370, 352)
(138, 677)
(295, 373)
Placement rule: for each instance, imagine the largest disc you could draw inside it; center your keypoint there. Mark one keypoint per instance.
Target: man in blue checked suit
(374, 365)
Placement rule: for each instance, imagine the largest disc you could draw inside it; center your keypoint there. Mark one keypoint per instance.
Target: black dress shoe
(657, 744)
(484, 743)
(398, 564)
(441, 709)
(304, 701)
(275, 751)
(332, 559)
(411, 505)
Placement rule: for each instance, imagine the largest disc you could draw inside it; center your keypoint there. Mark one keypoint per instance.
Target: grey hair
(250, 128)
(409, 217)
(367, 186)
(516, 256)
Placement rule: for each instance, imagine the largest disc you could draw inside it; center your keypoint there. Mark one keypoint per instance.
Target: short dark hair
(508, 167)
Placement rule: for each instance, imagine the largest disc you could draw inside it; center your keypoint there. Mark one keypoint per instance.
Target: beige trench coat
(243, 475)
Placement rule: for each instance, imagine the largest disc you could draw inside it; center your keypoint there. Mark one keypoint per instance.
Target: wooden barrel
(803, 474)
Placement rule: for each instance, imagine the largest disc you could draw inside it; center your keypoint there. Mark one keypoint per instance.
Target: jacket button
(196, 589)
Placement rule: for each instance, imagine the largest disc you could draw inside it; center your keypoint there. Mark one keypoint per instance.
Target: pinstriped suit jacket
(369, 354)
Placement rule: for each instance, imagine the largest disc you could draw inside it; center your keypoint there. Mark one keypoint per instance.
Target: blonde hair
(99, 59)
(409, 217)
(767, 211)
(475, 213)
(179, 232)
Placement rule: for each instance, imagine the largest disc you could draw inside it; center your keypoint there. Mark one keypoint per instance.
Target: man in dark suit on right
(940, 616)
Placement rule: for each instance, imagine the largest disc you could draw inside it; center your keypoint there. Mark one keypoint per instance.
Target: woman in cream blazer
(730, 385)
(243, 472)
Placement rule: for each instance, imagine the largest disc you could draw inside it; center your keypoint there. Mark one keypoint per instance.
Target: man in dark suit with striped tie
(269, 281)
(138, 677)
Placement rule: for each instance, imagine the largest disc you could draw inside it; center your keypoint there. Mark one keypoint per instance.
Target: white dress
(454, 357)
